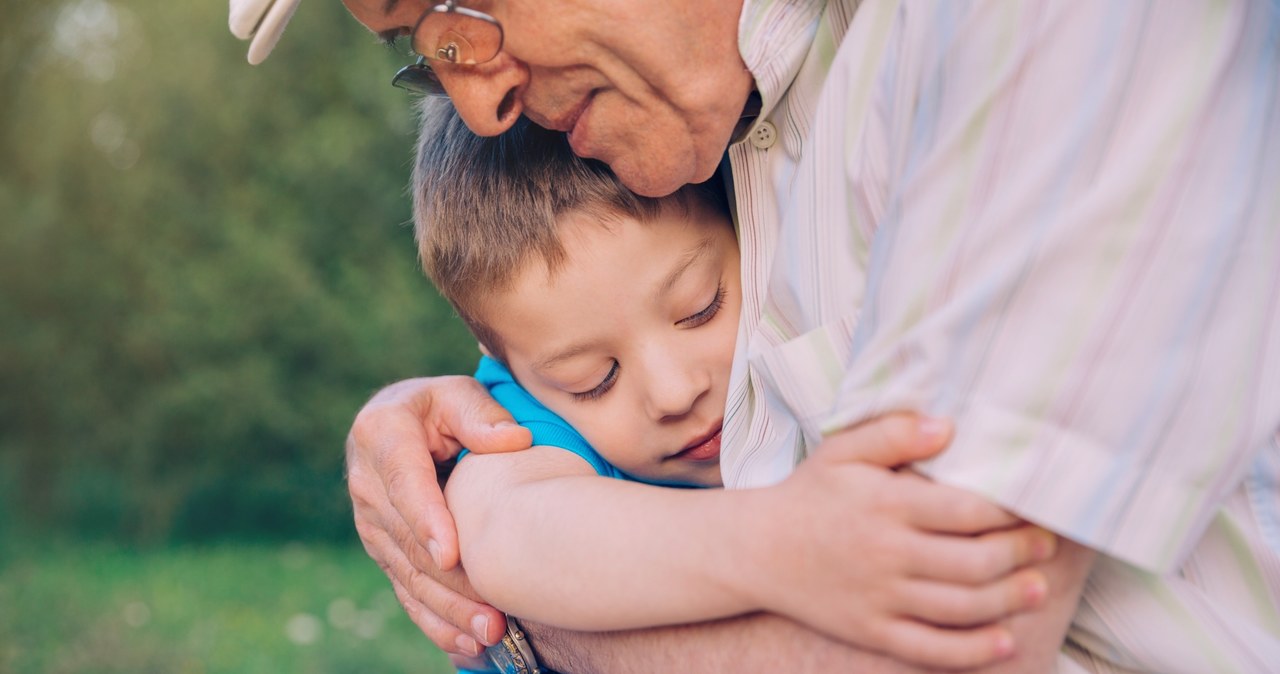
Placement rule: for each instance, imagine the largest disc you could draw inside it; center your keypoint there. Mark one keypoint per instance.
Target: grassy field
(242, 609)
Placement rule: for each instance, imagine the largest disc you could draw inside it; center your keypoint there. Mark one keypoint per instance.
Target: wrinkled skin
(655, 89)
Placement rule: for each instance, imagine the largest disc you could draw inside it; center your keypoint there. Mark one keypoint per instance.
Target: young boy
(609, 321)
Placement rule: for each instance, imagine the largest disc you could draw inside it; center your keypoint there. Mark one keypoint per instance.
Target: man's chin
(650, 178)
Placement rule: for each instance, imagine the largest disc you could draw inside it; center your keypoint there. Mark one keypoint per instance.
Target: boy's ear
(484, 349)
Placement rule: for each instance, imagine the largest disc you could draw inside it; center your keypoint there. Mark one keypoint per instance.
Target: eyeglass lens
(451, 34)
(457, 36)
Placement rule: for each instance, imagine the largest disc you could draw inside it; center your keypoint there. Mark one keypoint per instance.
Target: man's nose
(487, 95)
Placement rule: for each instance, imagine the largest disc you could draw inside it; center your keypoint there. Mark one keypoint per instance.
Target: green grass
(229, 608)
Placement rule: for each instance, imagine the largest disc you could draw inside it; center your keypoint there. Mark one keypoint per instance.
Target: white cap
(262, 20)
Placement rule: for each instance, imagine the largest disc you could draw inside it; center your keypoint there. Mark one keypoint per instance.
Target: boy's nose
(674, 390)
(487, 95)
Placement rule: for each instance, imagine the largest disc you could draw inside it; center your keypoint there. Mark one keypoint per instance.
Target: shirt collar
(774, 37)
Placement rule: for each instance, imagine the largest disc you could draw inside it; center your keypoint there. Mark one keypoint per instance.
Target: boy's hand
(400, 512)
(891, 562)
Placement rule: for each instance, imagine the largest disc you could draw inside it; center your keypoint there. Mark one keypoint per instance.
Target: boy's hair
(483, 208)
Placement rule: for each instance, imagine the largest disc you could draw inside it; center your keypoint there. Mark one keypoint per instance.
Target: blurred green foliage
(205, 269)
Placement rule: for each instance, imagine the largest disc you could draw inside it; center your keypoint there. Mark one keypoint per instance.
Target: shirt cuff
(1114, 500)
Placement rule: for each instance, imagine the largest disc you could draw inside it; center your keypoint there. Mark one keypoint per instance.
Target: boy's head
(618, 312)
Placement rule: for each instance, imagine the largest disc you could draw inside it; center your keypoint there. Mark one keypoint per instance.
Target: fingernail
(433, 549)
(1037, 590)
(504, 424)
(467, 645)
(1004, 645)
(480, 626)
(932, 428)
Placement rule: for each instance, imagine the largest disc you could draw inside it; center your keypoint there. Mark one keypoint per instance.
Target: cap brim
(246, 15)
(270, 30)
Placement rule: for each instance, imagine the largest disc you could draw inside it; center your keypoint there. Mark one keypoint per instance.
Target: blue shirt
(548, 429)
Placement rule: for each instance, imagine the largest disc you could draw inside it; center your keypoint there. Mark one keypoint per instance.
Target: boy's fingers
(978, 559)
(931, 646)
(950, 605)
(889, 441)
(937, 507)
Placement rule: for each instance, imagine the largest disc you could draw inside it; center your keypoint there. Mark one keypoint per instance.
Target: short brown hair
(484, 207)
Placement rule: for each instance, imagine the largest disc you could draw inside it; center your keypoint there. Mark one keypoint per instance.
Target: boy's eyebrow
(555, 359)
(692, 255)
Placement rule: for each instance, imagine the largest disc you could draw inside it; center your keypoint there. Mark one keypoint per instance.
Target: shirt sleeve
(1077, 256)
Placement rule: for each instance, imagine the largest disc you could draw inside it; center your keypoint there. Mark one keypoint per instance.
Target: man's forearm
(761, 643)
(767, 643)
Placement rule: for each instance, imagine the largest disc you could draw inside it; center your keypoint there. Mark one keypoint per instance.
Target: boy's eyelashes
(698, 319)
(707, 313)
(601, 388)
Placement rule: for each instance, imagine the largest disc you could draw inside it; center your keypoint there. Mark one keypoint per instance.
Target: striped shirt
(1059, 224)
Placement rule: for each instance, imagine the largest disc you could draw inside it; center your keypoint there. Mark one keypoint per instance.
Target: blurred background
(205, 269)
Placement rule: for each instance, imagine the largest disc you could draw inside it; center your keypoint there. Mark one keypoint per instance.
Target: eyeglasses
(451, 34)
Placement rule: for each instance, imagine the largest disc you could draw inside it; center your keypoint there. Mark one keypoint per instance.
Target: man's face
(653, 89)
(631, 340)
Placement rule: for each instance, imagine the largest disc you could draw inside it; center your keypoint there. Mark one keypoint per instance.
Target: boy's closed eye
(702, 317)
(707, 313)
(602, 388)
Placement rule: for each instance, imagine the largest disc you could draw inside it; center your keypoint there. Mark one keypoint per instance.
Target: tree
(205, 268)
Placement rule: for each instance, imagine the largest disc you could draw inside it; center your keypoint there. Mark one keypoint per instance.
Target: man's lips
(574, 125)
(704, 448)
(566, 122)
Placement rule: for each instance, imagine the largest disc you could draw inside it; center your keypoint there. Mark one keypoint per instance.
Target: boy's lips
(705, 448)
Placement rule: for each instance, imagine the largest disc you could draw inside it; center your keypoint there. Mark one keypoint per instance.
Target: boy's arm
(847, 548)
(546, 538)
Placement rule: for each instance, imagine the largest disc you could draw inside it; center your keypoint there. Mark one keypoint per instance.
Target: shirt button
(764, 135)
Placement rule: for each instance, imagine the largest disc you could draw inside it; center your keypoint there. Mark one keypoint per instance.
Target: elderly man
(1057, 222)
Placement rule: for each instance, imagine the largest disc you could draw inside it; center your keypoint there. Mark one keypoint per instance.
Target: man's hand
(928, 570)
(400, 512)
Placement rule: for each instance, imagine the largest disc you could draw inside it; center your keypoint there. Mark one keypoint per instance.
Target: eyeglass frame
(420, 70)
